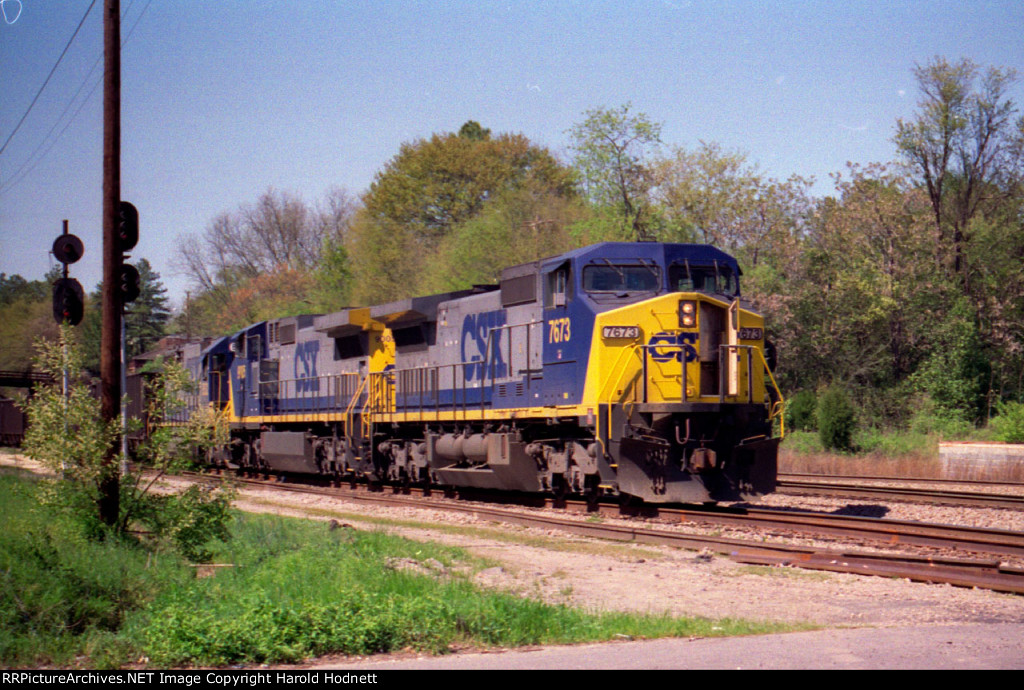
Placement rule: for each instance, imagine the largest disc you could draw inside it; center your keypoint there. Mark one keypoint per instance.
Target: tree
(15, 287)
(964, 148)
(472, 130)
(146, 317)
(716, 197)
(996, 257)
(278, 230)
(429, 188)
(526, 224)
(861, 295)
(26, 313)
(273, 258)
(610, 149)
(705, 194)
(333, 278)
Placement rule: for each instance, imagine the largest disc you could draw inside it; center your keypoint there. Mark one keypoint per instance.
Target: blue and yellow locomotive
(619, 368)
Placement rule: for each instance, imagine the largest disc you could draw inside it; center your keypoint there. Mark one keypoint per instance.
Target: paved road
(975, 646)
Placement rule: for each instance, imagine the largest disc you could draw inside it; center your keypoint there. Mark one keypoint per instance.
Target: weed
(772, 571)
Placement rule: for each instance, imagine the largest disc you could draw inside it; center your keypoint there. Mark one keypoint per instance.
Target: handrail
(378, 383)
(618, 367)
(781, 403)
(352, 404)
(322, 394)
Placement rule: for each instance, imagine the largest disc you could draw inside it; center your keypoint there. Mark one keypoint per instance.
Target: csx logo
(305, 367)
(669, 347)
(476, 330)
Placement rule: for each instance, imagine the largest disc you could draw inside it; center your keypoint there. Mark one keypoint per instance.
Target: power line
(32, 161)
(47, 80)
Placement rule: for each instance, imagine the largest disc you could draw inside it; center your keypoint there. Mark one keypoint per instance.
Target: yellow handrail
(777, 409)
(352, 404)
(370, 406)
(781, 404)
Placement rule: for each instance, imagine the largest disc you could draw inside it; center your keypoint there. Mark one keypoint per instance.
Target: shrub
(801, 411)
(836, 421)
(936, 420)
(68, 434)
(1009, 422)
(62, 596)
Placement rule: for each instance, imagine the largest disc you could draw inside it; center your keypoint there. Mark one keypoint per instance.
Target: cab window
(711, 279)
(617, 278)
(559, 287)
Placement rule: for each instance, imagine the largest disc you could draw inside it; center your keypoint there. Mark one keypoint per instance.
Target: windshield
(714, 279)
(621, 278)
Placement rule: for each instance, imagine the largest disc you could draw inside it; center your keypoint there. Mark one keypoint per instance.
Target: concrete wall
(982, 461)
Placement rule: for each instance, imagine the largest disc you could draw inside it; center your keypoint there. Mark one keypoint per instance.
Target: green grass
(62, 595)
(307, 590)
(868, 442)
(294, 589)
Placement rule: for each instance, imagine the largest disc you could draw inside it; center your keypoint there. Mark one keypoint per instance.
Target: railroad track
(884, 478)
(933, 496)
(961, 556)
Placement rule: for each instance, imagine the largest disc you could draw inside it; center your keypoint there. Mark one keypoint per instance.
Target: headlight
(687, 314)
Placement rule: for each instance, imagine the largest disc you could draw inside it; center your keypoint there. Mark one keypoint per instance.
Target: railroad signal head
(68, 301)
(128, 226)
(129, 283)
(68, 249)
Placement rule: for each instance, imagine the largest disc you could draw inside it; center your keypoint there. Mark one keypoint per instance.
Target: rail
(351, 406)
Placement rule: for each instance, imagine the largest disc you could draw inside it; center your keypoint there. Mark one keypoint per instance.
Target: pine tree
(146, 317)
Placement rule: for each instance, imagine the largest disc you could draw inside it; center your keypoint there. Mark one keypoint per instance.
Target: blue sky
(225, 99)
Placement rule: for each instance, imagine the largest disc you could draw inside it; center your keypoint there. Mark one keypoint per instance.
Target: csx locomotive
(619, 368)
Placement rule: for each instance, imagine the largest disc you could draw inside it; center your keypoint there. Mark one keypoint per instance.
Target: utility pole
(110, 335)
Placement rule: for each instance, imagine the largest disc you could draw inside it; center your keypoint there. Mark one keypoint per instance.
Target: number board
(751, 333)
(620, 332)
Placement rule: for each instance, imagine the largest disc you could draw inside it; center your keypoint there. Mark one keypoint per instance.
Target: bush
(935, 420)
(62, 596)
(1009, 422)
(836, 421)
(69, 435)
(801, 411)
